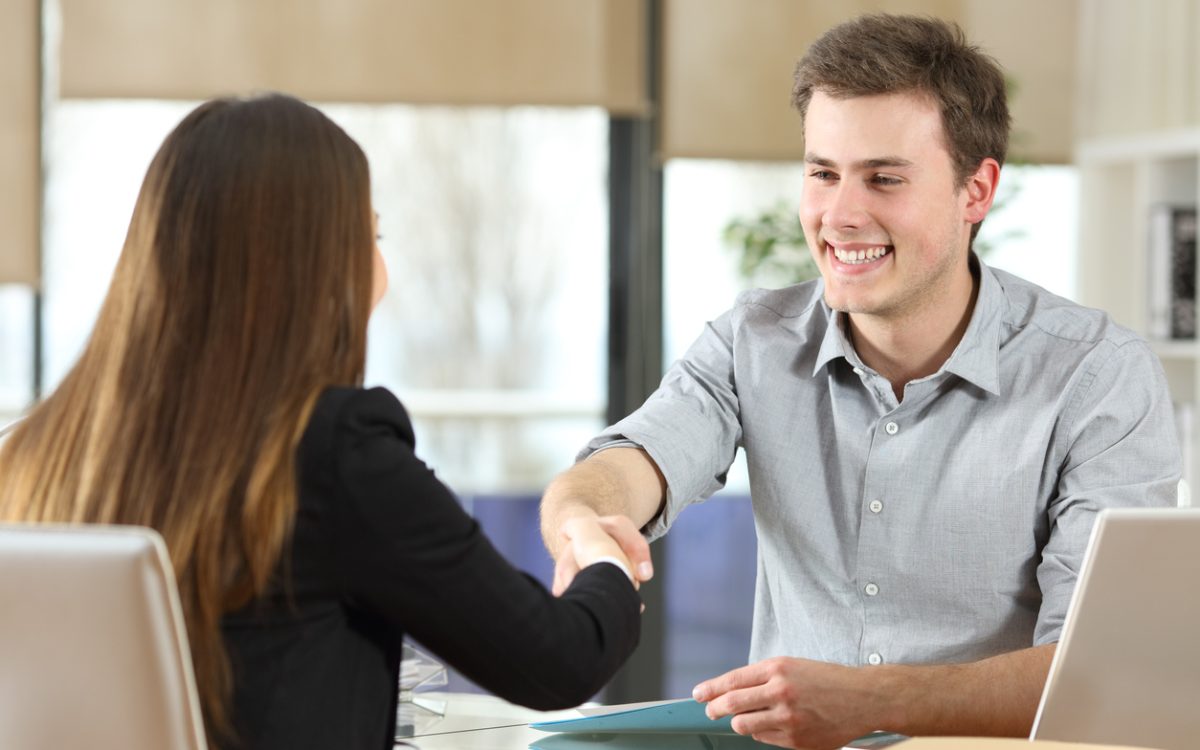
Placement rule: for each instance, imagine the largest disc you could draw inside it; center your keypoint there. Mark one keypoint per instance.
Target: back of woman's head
(243, 289)
(251, 247)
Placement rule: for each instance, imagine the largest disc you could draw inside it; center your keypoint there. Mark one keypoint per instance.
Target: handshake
(587, 538)
(592, 512)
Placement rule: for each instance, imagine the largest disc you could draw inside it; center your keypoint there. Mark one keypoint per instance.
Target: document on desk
(670, 717)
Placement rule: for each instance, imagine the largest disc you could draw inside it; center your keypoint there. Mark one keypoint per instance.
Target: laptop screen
(1127, 670)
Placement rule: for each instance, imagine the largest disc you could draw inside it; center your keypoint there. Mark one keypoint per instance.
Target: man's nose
(846, 208)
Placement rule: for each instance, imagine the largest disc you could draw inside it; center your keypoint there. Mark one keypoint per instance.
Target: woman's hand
(590, 540)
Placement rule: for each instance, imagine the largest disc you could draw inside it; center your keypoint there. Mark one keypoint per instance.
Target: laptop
(93, 649)
(1127, 668)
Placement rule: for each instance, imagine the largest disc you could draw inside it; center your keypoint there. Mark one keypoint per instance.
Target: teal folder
(676, 717)
(669, 725)
(650, 741)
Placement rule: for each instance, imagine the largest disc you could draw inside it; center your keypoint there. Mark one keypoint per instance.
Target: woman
(219, 402)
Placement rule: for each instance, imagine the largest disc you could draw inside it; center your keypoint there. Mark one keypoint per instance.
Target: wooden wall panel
(20, 149)
(727, 69)
(582, 52)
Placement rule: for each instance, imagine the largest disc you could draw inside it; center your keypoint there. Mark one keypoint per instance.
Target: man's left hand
(795, 703)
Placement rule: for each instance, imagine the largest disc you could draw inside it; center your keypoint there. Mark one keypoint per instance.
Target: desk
(484, 722)
(478, 722)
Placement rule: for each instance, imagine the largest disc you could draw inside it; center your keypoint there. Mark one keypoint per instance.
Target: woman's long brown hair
(242, 291)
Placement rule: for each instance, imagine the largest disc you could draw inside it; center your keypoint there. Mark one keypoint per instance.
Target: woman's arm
(411, 555)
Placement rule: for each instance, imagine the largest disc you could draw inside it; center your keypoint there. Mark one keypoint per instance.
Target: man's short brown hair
(887, 54)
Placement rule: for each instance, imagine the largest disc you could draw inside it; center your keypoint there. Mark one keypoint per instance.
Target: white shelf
(1123, 179)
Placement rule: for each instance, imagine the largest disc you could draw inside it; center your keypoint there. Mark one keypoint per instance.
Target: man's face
(880, 185)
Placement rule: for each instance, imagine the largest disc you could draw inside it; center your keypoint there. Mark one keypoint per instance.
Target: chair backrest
(93, 648)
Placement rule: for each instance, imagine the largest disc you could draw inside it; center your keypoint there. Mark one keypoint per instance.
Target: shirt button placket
(871, 589)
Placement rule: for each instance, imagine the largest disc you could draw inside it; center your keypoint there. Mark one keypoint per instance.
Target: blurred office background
(554, 180)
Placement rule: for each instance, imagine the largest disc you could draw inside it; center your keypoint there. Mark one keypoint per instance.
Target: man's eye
(885, 180)
(823, 175)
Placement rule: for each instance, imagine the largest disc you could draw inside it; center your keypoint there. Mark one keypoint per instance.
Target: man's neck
(915, 345)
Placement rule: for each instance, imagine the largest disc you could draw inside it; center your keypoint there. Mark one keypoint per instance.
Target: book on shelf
(1172, 272)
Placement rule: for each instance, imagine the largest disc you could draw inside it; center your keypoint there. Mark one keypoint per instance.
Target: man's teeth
(854, 257)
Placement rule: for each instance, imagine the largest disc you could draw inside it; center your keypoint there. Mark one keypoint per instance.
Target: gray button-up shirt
(946, 527)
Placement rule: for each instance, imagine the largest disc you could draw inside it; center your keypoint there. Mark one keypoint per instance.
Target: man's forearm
(618, 481)
(994, 697)
(794, 702)
(585, 489)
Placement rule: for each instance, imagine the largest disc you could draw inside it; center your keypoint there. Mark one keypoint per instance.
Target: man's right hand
(587, 538)
(602, 502)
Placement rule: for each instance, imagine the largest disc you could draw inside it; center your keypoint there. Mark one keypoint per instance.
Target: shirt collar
(834, 344)
(976, 359)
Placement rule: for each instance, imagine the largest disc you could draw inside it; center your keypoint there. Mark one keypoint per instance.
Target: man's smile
(857, 253)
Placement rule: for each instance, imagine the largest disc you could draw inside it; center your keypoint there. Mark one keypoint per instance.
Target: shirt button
(874, 660)
(875, 506)
(858, 372)
(871, 589)
(891, 428)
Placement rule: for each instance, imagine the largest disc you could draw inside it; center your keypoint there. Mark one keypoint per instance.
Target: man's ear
(981, 190)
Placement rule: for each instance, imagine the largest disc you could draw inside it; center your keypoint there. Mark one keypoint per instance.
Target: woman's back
(218, 402)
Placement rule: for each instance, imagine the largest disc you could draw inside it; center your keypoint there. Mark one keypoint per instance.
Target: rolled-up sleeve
(1121, 451)
(689, 426)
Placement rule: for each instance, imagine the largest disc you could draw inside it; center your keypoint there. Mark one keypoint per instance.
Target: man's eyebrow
(876, 163)
(885, 161)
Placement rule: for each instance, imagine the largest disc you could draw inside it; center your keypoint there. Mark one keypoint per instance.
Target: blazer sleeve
(407, 552)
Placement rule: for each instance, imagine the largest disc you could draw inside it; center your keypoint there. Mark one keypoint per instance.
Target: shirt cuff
(613, 561)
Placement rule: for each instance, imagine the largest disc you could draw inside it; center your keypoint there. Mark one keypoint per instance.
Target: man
(928, 439)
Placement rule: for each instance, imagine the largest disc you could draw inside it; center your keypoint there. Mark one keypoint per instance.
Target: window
(494, 225)
(495, 230)
(1033, 232)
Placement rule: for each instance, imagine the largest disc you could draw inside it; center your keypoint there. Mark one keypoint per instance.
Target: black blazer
(382, 548)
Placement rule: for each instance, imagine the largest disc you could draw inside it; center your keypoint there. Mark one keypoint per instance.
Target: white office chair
(93, 649)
